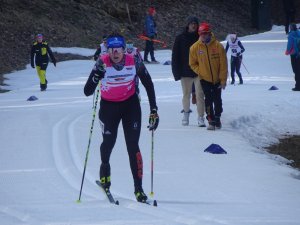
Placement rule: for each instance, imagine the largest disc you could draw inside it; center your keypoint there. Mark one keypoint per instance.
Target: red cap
(151, 10)
(204, 28)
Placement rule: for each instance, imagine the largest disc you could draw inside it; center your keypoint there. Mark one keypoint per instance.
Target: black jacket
(41, 51)
(180, 54)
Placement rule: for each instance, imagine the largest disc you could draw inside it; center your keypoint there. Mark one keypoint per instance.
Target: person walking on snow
(208, 60)
(119, 102)
(102, 48)
(293, 49)
(183, 72)
(150, 32)
(237, 50)
(39, 59)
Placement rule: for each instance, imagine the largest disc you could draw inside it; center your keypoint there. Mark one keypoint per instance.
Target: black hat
(192, 19)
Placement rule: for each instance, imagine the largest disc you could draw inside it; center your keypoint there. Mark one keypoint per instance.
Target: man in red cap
(150, 31)
(208, 59)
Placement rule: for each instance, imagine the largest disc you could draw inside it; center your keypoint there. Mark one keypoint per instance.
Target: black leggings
(110, 115)
(236, 66)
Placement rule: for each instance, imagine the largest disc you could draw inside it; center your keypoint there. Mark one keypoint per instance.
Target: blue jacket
(150, 26)
(292, 48)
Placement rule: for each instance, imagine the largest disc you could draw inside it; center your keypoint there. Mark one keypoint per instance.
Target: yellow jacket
(209, 61)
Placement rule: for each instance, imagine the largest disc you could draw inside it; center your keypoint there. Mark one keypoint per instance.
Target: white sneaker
(201, 122)
(185, 119)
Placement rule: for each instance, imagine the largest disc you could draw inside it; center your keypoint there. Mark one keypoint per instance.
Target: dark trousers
(110, 115)
(295, 61)
(235, 65)
(213, 100)
(149, 48)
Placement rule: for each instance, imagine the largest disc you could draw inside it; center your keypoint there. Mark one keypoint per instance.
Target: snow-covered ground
(44, 143)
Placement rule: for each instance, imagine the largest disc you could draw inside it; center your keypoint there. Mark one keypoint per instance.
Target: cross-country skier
(39, 59)
(102, 49)
(119, 102)
(237, 50)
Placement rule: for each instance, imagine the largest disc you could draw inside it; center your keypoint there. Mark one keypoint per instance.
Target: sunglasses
(115, 50)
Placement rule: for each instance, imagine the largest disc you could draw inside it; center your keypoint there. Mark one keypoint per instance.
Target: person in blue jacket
(150, 32)
(293, 49)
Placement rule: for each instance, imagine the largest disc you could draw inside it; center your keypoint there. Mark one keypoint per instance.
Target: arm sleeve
(51, 54)
(97, 53)
(241, 46)
(175, 59)
(90, 85)
(227, 46)
(146, 80)
(32, 55)
(223, 65)
(193, 60)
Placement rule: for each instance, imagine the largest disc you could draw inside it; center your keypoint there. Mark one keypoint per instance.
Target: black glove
(32, 65)
(153, 120)
(238, 54)
(99, 73)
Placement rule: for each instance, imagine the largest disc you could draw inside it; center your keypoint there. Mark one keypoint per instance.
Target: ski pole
(152, 157)
(245, 67)
(89, 143)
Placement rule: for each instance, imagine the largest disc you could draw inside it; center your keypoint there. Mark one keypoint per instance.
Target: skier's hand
(238, 54)
(153, 120)
(32, 65)
(99, 72)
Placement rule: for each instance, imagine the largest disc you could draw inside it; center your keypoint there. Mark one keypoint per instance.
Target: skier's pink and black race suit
(119, 101)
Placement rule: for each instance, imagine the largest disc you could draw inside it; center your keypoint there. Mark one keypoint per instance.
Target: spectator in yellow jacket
(208, 59)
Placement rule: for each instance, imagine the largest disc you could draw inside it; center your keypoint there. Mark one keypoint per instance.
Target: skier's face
(116, 54)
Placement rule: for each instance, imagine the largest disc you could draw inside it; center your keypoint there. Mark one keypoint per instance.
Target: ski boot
(140, 195)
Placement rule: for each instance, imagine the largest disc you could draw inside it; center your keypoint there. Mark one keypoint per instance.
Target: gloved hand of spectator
(153, 120)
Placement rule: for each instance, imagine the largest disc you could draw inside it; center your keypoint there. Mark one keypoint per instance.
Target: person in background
(131, 50)
(102, 48)
(134, 51)
(293, 49)
(40, 59)
(183, 72)
(237, 50)
(119, 102)
(290, 11)
(208, 60)
(150, 32)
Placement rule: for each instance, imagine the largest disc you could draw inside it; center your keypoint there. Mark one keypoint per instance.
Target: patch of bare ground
(289, 148)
